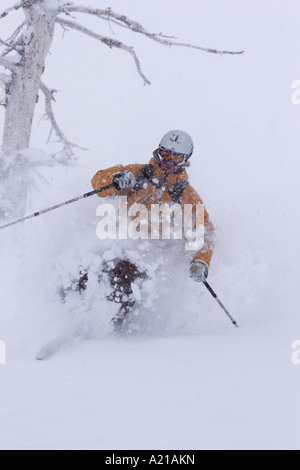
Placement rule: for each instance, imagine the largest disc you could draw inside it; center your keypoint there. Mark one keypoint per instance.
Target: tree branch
(105, 40)
(125, 22)
(49, 97)
(6, 63)
(12, 42)
(17, 6)
(109, 15)
(3, 43)
(15, 34)
(29, 3)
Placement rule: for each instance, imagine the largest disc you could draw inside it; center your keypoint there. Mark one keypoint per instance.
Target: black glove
(199, 271)
(124, 179)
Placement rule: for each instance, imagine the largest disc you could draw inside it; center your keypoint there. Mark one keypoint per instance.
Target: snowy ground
(226, 390)
(189, 379)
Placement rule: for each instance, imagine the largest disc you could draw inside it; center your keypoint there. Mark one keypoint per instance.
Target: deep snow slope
(187, 378)
(228, 390)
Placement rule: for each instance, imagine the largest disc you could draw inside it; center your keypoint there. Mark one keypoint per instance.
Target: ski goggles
(176, 160)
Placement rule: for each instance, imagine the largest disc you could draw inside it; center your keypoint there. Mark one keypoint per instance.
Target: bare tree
(24, 53)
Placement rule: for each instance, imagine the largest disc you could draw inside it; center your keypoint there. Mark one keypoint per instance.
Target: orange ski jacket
(154, 187)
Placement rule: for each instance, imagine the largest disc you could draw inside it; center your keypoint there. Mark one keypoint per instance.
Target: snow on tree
(24, 53)
(22, 58)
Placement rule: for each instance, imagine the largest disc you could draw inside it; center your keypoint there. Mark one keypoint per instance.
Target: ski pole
(75, 199)
(220, 303)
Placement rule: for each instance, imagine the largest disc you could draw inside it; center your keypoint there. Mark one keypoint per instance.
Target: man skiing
(163, 180)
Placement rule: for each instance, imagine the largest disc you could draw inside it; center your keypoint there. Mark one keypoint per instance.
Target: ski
(59, 344)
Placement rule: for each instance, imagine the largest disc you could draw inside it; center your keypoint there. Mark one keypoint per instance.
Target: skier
(163, 180)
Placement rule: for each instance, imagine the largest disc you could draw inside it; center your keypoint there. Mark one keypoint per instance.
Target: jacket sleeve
(190, 196)
(105, 178)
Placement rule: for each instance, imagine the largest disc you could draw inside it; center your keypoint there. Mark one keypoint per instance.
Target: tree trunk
(23, 93)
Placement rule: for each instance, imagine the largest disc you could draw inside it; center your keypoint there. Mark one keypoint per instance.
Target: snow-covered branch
(6, 63)
(125, 22)
(17, 6)
(15, 34)
(105, 40)
(3, 43)
(12, 43)
(49, 97)
(23, 56)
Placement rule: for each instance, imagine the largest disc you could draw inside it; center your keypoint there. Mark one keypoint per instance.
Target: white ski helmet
(178, 143)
